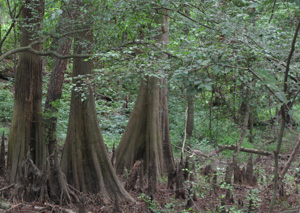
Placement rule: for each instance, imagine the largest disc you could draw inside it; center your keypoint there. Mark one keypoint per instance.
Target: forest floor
(209, 196)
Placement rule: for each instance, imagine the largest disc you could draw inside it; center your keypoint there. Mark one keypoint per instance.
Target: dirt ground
(201, 195)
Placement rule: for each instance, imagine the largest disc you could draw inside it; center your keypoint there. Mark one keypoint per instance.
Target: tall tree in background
(26, 132)
(85, 160)
(147, 135)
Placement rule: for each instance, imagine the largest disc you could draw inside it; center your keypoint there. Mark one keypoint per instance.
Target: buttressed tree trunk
(26, 132)
(147, 135)
(85, 160)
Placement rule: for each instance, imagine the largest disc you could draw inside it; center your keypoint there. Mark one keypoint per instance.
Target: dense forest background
(159, 106)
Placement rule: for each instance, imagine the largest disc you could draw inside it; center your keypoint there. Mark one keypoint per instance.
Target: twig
(11, 26)
(7, 187)
(13, 207)
(53, 206)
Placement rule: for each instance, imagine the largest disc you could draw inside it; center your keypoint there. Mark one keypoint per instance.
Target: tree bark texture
(85, 160)
(26, 132)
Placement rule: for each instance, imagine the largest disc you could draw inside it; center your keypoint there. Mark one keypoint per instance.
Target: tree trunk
(284, 112)
(56, 81)
(142, 137)
(57, 183)
(190, 117)
(85, 160)
(26, 132)
(147, 134)
(165, 129)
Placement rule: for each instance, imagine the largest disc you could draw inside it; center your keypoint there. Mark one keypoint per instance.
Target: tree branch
(10, 28)
(29, 48)
(242, 149)
(272, 11)
(289, 58)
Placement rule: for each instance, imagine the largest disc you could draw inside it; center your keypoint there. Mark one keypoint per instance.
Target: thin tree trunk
(163, 39)
(289, 162)
(190, 117)
(284, 112)
(56, 81)
(233, 166)
(165, 130)
(57, 182)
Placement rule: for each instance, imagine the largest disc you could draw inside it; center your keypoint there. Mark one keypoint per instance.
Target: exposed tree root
(62, 188)
(7, 187)
(33, 184)
(133, 176)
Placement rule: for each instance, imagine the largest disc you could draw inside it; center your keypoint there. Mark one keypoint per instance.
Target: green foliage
(62, 122)
(154, 206)
(218, 50)
(6, 103)
(254, 197)
(112, 124)
(63, 113)
(4, 129)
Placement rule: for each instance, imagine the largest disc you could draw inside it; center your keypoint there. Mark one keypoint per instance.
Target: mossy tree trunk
(147, 135)
(26, 132)
(85, 160)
